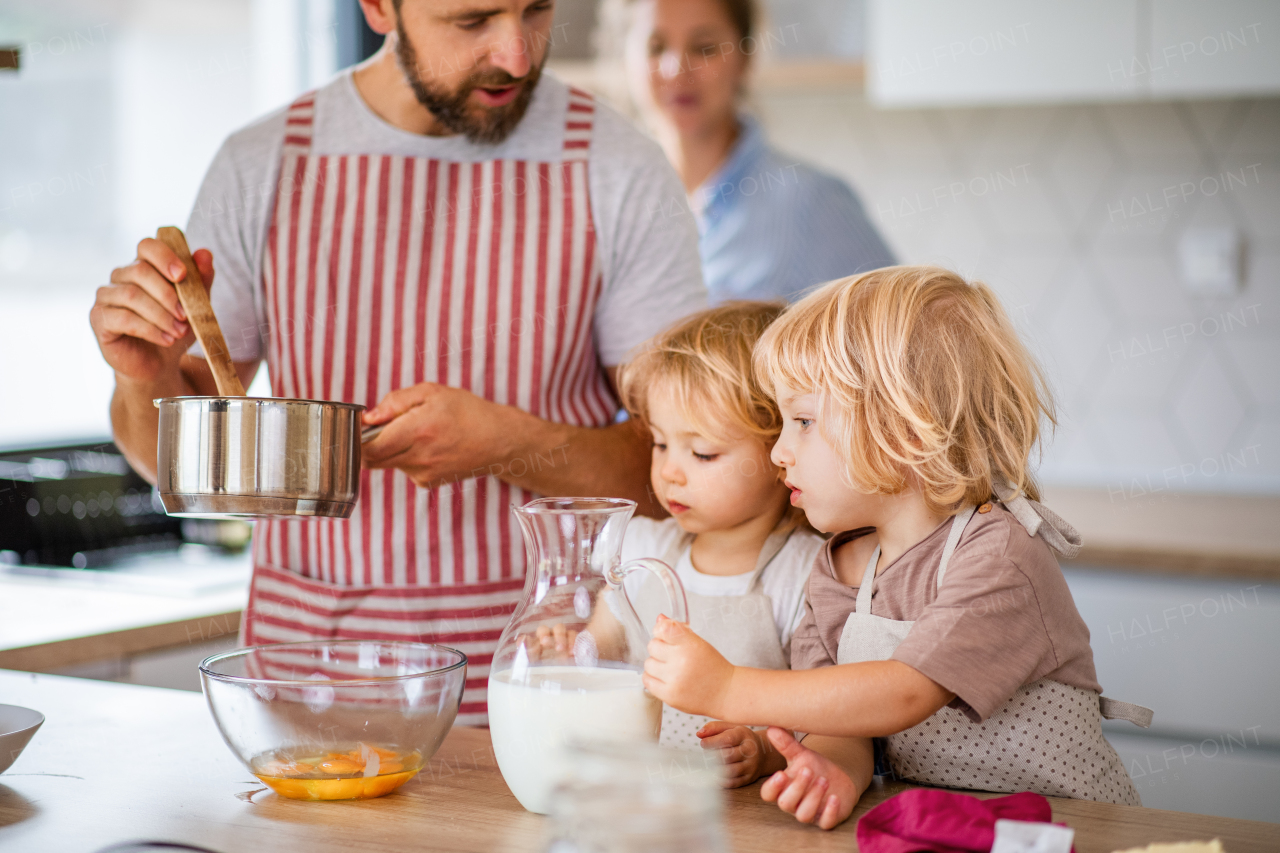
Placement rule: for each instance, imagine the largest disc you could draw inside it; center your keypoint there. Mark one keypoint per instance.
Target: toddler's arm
(870, 699)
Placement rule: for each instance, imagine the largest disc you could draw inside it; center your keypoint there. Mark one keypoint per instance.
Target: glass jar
(630, 798)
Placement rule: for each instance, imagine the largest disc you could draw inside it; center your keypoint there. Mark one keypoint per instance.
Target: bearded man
(469, 248)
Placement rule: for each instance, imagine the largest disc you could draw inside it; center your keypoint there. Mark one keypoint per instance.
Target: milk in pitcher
(531, 718)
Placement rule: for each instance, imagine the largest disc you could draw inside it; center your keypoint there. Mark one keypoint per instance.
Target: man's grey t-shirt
(648, 245)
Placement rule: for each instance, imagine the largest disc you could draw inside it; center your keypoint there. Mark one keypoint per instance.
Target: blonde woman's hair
(917, 370)
(704, 363)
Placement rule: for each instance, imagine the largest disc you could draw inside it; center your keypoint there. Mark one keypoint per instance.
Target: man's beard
(490, 125)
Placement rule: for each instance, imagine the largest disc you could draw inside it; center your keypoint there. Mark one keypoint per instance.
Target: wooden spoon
(194, 297)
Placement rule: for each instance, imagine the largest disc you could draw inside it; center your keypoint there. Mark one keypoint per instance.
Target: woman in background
(769, 227)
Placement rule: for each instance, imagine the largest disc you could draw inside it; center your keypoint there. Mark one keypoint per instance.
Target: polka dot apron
(1047, 738)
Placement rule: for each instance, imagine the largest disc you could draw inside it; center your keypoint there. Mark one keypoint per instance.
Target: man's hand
(137, 319)
(436, 433)
(813, 787)
(686, 671)
(144, 336)
(744, 751)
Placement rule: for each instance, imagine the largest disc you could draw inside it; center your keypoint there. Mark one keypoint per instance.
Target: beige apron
(1047, 738)
(740, 627)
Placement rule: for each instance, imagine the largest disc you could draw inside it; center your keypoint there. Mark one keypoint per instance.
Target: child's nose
(780, 456)
(672, 473)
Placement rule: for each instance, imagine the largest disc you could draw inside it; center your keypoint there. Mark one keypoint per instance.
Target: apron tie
(1033, 515)
(1114, 709)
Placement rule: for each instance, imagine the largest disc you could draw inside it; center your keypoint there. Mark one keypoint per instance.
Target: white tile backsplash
(1077, 230)
(1258, 204)
(1262, 389)
(1143, 281)
(1153, 137)
(1207, 406)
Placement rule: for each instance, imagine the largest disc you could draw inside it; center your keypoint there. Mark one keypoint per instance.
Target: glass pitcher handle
(665, 574)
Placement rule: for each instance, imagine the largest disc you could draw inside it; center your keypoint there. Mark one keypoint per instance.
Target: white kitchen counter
(57, 618)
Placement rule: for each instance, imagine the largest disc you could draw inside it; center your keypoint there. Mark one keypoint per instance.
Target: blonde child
(742, 553)
(936, 617)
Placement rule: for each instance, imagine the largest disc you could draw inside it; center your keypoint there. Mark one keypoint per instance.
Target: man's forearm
(135, 421)
(870, 699)
(560, 459)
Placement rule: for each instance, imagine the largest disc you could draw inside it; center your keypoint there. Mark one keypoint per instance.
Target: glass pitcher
(569, 662)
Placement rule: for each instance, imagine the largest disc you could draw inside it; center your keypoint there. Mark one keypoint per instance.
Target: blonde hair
(918, 370)
(704, 362)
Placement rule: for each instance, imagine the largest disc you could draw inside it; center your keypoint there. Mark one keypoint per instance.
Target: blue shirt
(771, 228)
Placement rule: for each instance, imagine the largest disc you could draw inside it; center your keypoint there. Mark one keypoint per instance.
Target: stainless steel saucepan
(237, 456)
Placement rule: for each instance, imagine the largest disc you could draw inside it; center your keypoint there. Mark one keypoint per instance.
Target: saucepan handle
(666, 576)
(371, 433)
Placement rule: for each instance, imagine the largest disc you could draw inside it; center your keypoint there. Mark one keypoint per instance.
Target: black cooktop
(78, 505)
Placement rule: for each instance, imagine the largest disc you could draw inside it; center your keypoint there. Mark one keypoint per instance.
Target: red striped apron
(381, 272)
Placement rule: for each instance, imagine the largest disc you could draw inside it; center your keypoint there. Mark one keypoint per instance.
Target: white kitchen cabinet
(1224, 47)
(1199, 652)
(940, 52)
(1196, 651)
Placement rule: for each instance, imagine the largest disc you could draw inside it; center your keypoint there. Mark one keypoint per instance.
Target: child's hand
(684, 670)
(744, 751)
(555, 642)
(813, 787)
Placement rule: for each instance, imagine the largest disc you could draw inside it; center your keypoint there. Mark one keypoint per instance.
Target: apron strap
(867, 587)
(777, 540)
(958, 525)
(678, 545)
(579, 118)
(1033, 515)
(863, 602)
(863, 605)
(1114, 709)
(299, 124)
(774, 544)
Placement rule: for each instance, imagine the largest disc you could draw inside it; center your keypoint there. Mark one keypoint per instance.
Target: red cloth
(925, 820)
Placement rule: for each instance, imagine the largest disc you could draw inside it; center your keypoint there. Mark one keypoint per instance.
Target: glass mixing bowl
(335, 720)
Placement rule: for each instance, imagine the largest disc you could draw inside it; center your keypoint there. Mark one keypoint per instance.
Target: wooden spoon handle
(195, 301)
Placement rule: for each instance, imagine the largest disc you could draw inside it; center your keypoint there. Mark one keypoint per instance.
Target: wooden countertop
(1151, 529)
(118, 762)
